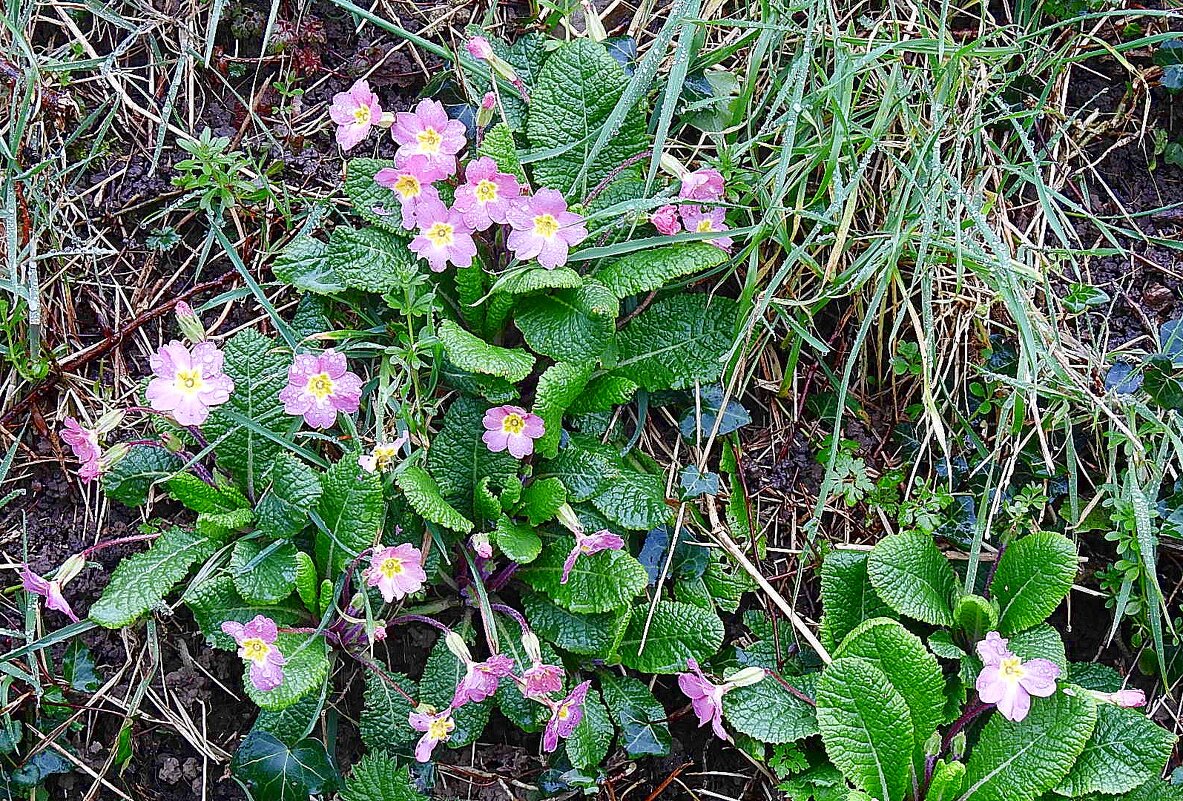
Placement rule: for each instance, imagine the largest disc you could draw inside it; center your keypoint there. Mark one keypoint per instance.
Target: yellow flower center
(408, 186)
(704, 226)
(384, 455)
(361, 115)
(430, 141)
(391, 567)
(486, 191)
(255, 649)
(189, 381)
(320, 385)
(441, 728)
(440, 234)
(1012, 669)
(546, 225)
(513, 423)
(564, 712)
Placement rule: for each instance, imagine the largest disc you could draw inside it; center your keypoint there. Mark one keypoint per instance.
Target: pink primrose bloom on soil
(436, 727)
(85, 444)
(544, 229)
(701, 220)
(481, 679)
(411, 183)
(586, 545)
(187, 382)
(355, 111)
(486, 195)
(444, 238)
(564, 717)
(320, 386)
(256, 644)
(1009, 682)
(512, 428)
(397, 571)
(428, 131)
(705, 184)
(51, 591)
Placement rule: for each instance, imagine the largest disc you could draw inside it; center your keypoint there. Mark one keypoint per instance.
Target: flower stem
(98, 546)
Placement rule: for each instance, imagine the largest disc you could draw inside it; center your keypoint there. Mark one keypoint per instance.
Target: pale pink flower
(397, 571)
(1128, 699)
(355, 111)
(564, 717)
(705, 184)
(187, 382)
(665, 220)
(479, 48)
(707, 697)
(51, 591)
(436, 727)
(542, 680)
(702, 220)
(512, 428)
(411, 183)
(378, 634)
(383, 456)
(482, 546)
(481, 679)
(587, 544)
(486, 194)
(428, 131)
(544, 229)
(85, 444)
(319, 387)
(256, 644)
(443, 237)
(1009, 682)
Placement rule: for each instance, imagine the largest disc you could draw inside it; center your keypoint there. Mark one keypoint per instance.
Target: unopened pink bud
(488, 101)
(1129, 699)
(479, 47)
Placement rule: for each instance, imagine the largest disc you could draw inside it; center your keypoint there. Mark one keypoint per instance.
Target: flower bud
(531, 646)
(457, 646)
(189, 323)
(481, 544)
(112, 456)
(592, 24)
(566, 515)
(479, 48)
(484, 114)
(1128, 699)
(386, 120)
(746, 677)
(109, 421)
(69, 569)
(671, 165)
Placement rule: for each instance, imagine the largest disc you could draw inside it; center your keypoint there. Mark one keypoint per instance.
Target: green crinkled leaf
(275, 771)
(438, 685)
(865, 727)
(143, 580)
(1019, 760)
(947, 780)
(426, 499)
(293, 489)
(1040, 642)
(604, 393)
(378, 777)
(350, 507)
(913, 577)
(520, 543)
(592, 635)
(472, 353)
(498, 145)
(677, 341)
(640, 717)
(1093, 676)
(202, 498)
(304, 264)
(584, 466)
(539, 279)
(306, 671)
(599, 582)
(727, 583)
(490, 387)
(847, 596)
(263, 573)
(588, 744)
(376, 204)
(678, 632)
(1034, 574)
(1126, 750)
(217, 600)
(634, 500)
(459, 460)
(370, 259)
(385, 712)
(470, 290)
(770, 713)
(259, 373)
(648, 270)
(291, 724)
(306, 581)
(541, 500)
(310, 318)
(575, 325)
(575, 92)
(557, 389)
(132, 477)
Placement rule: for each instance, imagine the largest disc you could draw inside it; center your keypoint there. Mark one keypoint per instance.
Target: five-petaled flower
(541, 680)
(256, 644)
(564, 717)
(84, 442)
(411, 183)
(1009, 682)
(704, 184)
(50, 590)
(443, 237)
(355, 111)
(703, 220)
(383, 456)
(486, 194)
(544, 229)
(665, 220)
(481, 679)
(707, 697)
(428, 131)
(397, 571)
(319, 386)
(512, 428)
(588, 544)
(436, 727)
(187, 382)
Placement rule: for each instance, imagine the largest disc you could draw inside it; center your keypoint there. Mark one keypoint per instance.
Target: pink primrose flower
(542, 680)
(481, 679)
(355, 111)
(588, 544)
(544, 229)
(479, 48)
(702, 220)
(705, 184)
(320, 386)
(51, 591)
(187, 382)
(411, 183)
(428, 131)
(84, 442)
(397, 571)
(512, 428)
(436, 727)
(444, 238)
(665, 220)
(1009, 682)
(564, 717)
(486, 195)
(256, 644)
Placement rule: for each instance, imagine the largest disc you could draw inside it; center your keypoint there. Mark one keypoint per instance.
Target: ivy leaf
(596, 635)
(914, 577)
(428, 502)
(770, 713)
(291, 724)
(584, 466)
(558, 388)
(378, 777)
(304, 264)
(472, 353)
(131, 478)
(437, 686)
(678, 632)
(376, 204)
(847, 596)
(865, 727)
(351, 508)
(648, 270)
(292, 489)
(385, 712)
(641, 718)
(516, 541)
(142, 580)
(1034, 574)
(370, 259)
(1019, 760)
(458, 460)
(1126, 750)
(307, 669)
(263, 574)
(599, 582)
(634, 500)
(677, 341)
(588, 744)
(575, 325)
(275, 771)
(78, 667)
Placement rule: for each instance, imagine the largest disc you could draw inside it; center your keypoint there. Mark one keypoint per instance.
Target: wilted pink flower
(707, 697)
(482, 546)
(543, 228)
(665, 220)
(51, 591)
(542, 680)
(481, 679)
(564, 717)
(85, 444)
(411, 182)
(428, 131)
(705, 184)
(514, 428)
(319, 387)
(489, 101)
(443, 237)
(397, 571)
(383, 456)
(256, 644)
(586, 545)
(486, 194)
(355, 111)
(479, 48)
(378, 634)
(188, 383)
(1009, 682)
(436, 727)
(701, 220)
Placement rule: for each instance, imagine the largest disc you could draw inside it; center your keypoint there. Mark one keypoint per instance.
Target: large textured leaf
(593, 635)
(599, 582)
(1126, 750)
(677, 341)
(385, 712)
(538, 279)
(458, 460)
(217, 600)
(769, 712)
(575, 325)
(584, 466)
(604, 393)
(678, 632)
(588, 744)
(1040, 642)
(376, 204)
(472, 353)
(847, 596)
(350, 507)
(369, 259)
(558, 388)
(291, 724)
(635, 500)
(142, 580)
(576, 90)
(1019, 760)
(498, 145)
(438, 685)
(131, 478)
(275, 771)
(293, 489)
(1033, 576)
(263, 573)
(304, 264)
(914, 577)
(425, 497)
(640, 716)
(520, 543)
(378, 777)
(306, 671)
(647, 270)
(865, 726)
